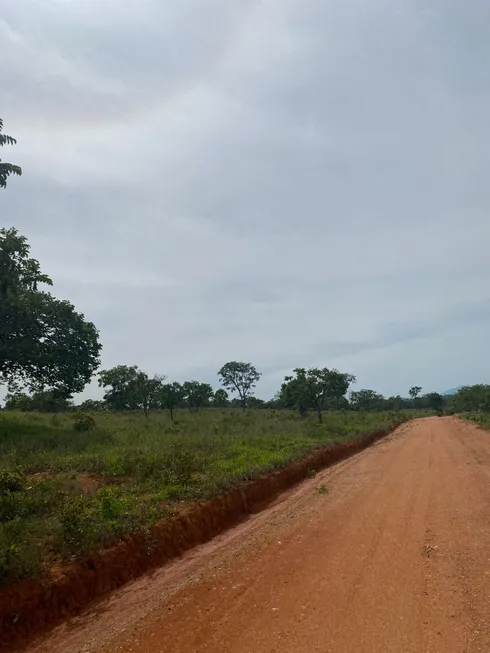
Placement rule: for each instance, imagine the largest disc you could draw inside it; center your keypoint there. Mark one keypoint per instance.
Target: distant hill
(452, 391)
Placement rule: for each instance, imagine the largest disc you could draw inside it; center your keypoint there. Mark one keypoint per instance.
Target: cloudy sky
(277, 181)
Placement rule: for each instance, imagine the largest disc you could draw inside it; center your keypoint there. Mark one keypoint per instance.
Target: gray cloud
(283, 182)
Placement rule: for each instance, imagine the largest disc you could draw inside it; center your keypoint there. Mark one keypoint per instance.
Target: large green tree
(220, 398)
(196, 394)
(240, 378)
(473, 398)
(434, 401)
(7, 169)
(46, 401)
(315, 389)
(44, 342)
(129, 388)
(366, 400)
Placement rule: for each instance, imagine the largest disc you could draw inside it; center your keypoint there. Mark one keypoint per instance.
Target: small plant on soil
(11, 481)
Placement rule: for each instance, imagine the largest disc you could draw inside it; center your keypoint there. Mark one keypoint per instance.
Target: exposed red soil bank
(30, 606)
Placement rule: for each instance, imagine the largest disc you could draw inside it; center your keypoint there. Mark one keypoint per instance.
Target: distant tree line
(314, 390)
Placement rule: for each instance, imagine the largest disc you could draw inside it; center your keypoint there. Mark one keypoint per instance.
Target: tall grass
(65, 493)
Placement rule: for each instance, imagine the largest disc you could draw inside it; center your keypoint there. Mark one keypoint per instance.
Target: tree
(293, 394)
(366, 400)
(147, 390)
(240, 378)
(7, 169)
(196, 394)
(129, 388)
(434, 401)
(220, 398)
(50, 401)
(396, 403)
(312, 388)
(171, 395)
(47, 401)
(338, 384)
(18, 401)
(92, 405)
(44, 342)
(473, 398)
(415, 391)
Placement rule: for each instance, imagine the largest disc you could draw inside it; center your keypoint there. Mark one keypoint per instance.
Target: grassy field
(66, 493)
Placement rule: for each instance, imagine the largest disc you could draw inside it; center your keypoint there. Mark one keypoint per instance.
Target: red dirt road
(388, 551)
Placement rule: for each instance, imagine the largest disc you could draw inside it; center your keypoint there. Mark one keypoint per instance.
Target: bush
(11, 481)
(83, 423)
(78, 532)
(20, 553)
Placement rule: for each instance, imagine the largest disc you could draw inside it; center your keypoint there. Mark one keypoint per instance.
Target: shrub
(78, 532)
(11, 481)
(83, 423)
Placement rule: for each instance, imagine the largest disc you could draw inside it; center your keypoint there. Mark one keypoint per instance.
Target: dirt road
(388, 551)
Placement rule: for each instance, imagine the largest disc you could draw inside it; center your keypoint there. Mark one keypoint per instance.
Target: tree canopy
(415, 391)
(7, 169)
(44, 342)
(366, 400)
(129, 388)
(240, 378)
(474, 398)
(196, 394)
(312, 389)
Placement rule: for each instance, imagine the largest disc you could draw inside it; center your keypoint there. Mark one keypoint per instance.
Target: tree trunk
(320, 416)
(171, 414)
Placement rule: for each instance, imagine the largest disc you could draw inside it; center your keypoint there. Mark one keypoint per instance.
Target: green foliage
(220, 399)
(170, 397)
(21, 555)
(196, 394)
(92, 405)
(312, 389)
(18, 401)
(83, 423)
(434, 401)
(130, 388)
(65, 493)
(474, 398)
(7, 169)
(366, 400)
(11, 481)
(45, 401)
(240, 378)
(415, 391)
(44, 342)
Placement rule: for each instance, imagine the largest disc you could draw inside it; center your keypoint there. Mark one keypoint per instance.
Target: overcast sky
(284, 182)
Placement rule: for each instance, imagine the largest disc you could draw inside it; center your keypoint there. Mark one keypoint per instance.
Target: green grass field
(66, 494)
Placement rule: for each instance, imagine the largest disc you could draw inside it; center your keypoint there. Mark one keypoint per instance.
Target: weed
(11, 481)
(323, 489)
